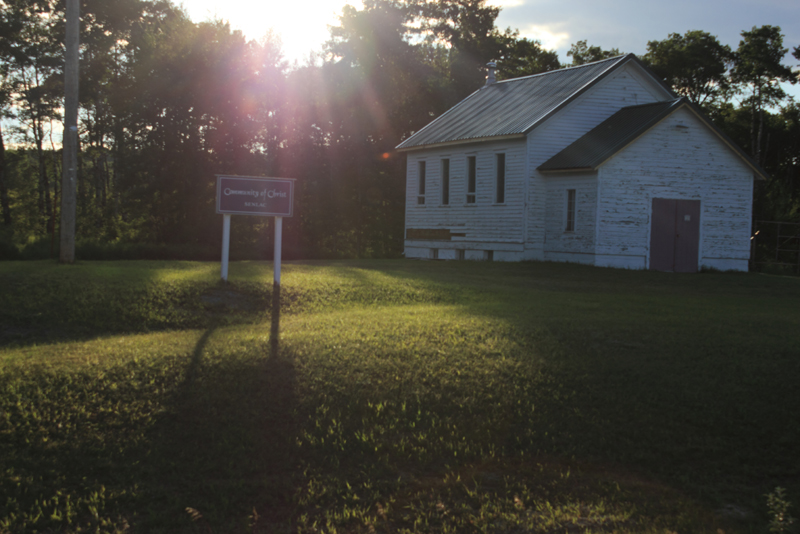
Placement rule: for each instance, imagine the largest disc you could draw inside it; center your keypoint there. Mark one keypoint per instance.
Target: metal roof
(512, 107)
(610, 136)
(622, 128)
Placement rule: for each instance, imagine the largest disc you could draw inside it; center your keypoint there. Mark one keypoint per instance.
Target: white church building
(599, 164)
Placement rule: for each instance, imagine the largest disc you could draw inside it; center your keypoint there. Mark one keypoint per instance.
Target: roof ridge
(562, 69)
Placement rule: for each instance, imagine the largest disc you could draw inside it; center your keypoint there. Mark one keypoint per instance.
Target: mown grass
(406, 397)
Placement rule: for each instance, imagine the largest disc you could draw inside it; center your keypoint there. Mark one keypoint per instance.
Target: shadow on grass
(140, 443)
(223, 452)
(689, 381)
(51, 310)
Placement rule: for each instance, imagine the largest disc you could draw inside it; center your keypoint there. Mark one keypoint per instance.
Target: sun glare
(301, 25)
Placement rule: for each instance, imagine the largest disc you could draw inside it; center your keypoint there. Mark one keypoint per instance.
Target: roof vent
(490, 78)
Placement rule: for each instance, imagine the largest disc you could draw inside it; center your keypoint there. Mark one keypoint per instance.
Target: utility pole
(70, 143)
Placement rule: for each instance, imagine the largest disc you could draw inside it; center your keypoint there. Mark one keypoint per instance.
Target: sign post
(266, 197)
(278, 245)
(226, 243)
(276, 287)
(247, 195)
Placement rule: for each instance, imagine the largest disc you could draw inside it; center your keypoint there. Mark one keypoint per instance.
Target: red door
(675, 235)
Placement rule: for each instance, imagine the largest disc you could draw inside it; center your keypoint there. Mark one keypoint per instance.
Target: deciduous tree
(581, 53)
(523, 57)
(758, 71)
(694, 64)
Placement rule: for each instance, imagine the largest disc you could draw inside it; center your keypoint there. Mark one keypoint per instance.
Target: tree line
(166, 104)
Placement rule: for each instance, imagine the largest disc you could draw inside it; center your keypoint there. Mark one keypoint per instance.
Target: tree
(107, 42)
(373, 53)
(782, 160)
(523, 57)
(695, 65)
(10, 26)
(758, 71)
(199, 95)
(32, 58)
(376, 88)
(38, 88)
(5, 205)
(582, 53)
(467, 29)
(70, 137)
(392, 66)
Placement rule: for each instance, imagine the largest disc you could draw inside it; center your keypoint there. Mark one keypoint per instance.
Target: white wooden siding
(626, 87)
(486, 224)
(577, 245)
(613, 205)
(679, 158)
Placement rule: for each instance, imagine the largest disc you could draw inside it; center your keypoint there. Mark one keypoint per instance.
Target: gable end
(623, 128)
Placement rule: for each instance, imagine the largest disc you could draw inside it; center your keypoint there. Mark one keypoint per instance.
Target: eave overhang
(461, 142)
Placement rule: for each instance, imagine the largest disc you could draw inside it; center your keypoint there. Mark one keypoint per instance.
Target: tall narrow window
(472, 175)
(570, 226)
(445, 181)
(421, 181)
(501, 179)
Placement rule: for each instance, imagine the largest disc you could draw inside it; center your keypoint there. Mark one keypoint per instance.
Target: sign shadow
(226, 444)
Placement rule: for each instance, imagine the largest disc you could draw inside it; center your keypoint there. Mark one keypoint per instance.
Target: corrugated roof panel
(611, 135)
(511, 106)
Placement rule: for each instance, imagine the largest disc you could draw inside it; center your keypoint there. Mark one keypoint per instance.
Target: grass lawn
(405, 397)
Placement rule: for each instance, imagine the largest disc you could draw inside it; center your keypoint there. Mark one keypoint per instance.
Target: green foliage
(581, 53)
(757, 71)
(8, 250)
(695, 65)
(525, 57)
(406, 397)
(759, 58)
(780, 519)
(166, 104)
(777, 199)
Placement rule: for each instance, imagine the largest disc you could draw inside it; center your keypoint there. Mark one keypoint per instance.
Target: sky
(624, 24)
